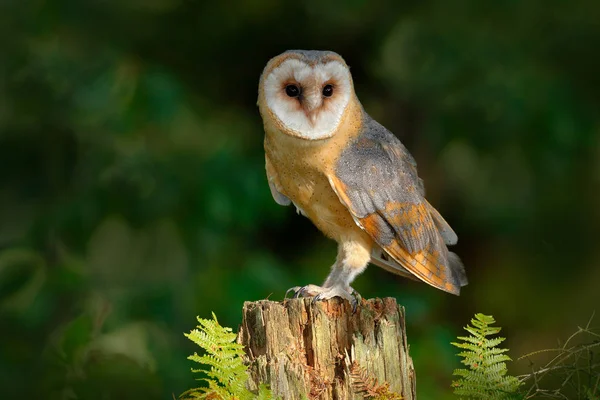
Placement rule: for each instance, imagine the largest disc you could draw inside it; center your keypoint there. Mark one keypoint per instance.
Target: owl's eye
(327, 90)
(292, 90)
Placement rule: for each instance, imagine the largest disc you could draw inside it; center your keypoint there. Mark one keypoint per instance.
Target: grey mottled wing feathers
(450, 238)
(376, 178)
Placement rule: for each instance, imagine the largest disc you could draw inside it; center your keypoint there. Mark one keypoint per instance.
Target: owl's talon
(356, 300)
(319, 293)
(292, 289)
(304, 291)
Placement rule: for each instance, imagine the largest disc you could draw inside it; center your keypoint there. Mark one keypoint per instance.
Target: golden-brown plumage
(300, 169)
(352, 178)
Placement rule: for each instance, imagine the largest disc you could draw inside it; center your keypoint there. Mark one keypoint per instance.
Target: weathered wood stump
(323, 350)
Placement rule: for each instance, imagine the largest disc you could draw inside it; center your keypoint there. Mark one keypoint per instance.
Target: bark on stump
(307, 350)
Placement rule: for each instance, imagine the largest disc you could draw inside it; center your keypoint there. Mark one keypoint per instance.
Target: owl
(350, 176)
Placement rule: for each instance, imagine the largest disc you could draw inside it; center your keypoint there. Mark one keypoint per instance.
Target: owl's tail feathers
(380, 258)
(443, 227)
(457, 269)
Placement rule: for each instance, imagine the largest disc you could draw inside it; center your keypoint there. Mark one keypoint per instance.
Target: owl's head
(306, 92)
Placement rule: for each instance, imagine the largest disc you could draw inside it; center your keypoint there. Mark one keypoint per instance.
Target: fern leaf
(222, 365)
(486, 376)
(368, 385)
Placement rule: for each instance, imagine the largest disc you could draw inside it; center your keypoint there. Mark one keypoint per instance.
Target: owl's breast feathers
(376, 179)
(298, 170)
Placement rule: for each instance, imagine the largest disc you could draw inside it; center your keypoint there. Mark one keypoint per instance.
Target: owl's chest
(302, 171)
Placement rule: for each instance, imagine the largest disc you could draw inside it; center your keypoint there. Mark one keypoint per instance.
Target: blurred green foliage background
(133, 195)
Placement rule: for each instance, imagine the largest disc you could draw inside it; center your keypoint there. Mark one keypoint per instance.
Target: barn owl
(350, 176)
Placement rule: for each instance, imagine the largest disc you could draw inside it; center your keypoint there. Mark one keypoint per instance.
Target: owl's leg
(314, 290)
(352, 259)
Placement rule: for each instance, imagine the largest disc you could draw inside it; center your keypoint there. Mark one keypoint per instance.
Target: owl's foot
(305, 291)
(319, 293)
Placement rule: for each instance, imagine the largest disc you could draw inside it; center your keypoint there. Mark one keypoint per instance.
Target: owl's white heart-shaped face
(307, 91)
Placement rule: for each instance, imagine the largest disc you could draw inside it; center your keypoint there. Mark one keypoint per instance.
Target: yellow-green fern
(222, 364)
(486, 376)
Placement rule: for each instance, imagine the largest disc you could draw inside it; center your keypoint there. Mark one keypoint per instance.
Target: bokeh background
(133, 195)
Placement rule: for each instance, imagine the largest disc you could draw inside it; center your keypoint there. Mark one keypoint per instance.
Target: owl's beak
(311, 103)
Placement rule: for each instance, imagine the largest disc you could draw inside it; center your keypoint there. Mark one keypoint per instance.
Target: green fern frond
(486, 376)
(222, 364)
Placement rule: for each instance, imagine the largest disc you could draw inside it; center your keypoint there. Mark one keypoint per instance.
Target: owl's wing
(446, 231)
(279, 197)
(376, 179)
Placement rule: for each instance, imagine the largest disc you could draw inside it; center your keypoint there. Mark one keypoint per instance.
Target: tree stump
(324, 350)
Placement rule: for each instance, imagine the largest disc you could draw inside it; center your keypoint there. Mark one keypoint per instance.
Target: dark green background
(133, 195)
